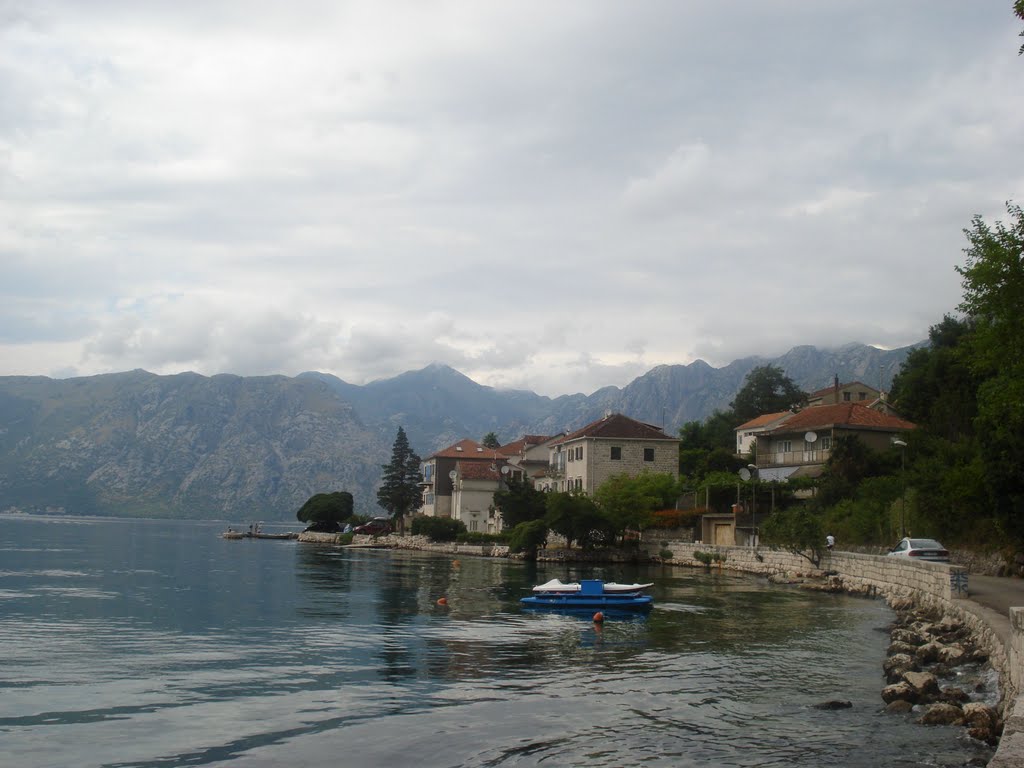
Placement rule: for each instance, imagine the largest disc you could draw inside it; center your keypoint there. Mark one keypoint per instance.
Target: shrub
(438, 528)
(529, 537)
(709, 557)
(665, 554)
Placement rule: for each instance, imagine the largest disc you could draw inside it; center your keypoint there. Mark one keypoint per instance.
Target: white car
(921, 549)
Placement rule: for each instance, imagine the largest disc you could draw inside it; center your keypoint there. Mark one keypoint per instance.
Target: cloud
(548, 197)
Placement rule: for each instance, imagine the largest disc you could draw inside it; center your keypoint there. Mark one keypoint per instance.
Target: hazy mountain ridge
(248, 448)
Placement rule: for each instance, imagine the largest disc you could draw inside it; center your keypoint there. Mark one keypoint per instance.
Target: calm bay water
(153, 643)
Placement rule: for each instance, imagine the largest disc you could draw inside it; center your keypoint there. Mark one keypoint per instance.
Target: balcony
(792, 458)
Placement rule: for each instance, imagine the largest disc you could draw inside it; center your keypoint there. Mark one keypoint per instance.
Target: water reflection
(140, 644)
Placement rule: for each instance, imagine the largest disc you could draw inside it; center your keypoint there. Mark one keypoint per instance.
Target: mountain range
(255, 448)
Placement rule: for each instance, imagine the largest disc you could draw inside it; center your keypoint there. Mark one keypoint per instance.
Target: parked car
(379, 526)
(922, 549)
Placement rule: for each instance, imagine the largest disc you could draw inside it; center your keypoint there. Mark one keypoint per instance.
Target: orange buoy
(456, 563)
(598, 617)
(442, 601)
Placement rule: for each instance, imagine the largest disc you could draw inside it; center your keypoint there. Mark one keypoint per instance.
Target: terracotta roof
(764, 419)
(841, 415)
(465, 449)
(526, 441)
(618, 427)
(479, 470)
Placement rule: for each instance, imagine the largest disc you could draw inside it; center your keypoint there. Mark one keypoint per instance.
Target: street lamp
(753, 505)
(903, 483)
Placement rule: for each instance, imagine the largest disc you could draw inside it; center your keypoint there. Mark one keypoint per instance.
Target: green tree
(937, 386)
(438, 528)
(708, 446)
(767, 389)
(578, 519)
(993, 283)
(490, 441)
(797, 529)
(628, 502)
(326, 508)
(1018, 10)
(399, 491)
(528, 537)
(519, 503)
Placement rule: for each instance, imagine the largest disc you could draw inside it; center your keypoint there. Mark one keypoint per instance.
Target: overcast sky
(554, 196)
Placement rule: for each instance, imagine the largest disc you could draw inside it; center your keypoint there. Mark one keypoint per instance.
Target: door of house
(725, 535)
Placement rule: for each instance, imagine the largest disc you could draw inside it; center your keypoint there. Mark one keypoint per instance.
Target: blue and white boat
(589, 593)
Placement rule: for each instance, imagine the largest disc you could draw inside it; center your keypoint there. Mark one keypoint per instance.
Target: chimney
(837, 388)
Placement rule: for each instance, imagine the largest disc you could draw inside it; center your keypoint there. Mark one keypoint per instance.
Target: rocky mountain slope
(253, 448)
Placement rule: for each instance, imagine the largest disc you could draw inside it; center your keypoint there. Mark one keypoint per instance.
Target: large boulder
(901, 691)
(952, 655)
(897, 665)
(982, 722)
(942, 713)
(929, 652)
(899, 707)
(954, 695)
(908, 636)
(899, 647)
(924, 684)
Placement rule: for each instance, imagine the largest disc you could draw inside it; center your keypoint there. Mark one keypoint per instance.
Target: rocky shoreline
(928, 649)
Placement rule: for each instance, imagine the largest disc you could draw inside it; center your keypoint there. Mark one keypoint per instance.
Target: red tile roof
(479, 470)
(850, 415)
(465, 449)
(764, 419)
(519, 446)
(618, 427)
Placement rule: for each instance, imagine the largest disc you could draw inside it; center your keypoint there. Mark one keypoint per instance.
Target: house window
(579, 453)
(616, 453)
(579, 483)
(826, 443)
(473, 524)
(786, 446)
(428, 472)
(429, 499)
(572, 454)
(846, 397)
(648, 454)
(862, 396)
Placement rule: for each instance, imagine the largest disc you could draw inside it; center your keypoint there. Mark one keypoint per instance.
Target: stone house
(613, 445)
(854, 392)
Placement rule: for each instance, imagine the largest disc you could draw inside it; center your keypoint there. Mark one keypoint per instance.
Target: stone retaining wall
(934, 585)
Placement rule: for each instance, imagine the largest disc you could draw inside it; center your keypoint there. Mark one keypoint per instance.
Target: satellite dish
(811, 437)
(744, 474)
(452, 475)
(506, 469)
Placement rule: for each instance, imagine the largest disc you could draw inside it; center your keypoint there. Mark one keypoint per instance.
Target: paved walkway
(995, 592)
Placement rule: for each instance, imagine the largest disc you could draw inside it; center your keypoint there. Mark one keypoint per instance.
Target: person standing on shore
(830, 542)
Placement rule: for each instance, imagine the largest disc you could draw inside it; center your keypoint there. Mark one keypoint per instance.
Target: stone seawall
(932, 585)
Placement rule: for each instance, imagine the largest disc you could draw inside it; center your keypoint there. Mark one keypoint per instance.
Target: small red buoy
(598, 617)
(456, 563)
(442, 601)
